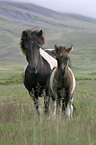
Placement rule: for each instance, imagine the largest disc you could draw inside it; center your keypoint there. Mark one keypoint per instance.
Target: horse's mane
(35, 36)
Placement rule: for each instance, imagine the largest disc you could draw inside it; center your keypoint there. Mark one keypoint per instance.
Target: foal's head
(31, 41)
(62, 56)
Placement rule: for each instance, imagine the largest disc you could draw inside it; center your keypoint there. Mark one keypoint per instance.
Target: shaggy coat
(37, 72)
(62, 81)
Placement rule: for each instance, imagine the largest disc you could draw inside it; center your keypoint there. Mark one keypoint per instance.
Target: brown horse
(37, 72)
(62, 82)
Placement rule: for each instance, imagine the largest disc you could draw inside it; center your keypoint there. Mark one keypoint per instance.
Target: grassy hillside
(59, 28)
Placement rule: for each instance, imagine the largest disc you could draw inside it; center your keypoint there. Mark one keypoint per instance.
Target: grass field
(20, 124)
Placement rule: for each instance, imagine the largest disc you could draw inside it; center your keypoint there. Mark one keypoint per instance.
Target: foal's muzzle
(63, 72)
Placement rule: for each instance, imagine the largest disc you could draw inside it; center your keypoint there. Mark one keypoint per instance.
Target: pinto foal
(62, 82)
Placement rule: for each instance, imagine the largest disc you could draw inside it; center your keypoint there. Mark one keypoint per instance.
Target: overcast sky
(83, 7)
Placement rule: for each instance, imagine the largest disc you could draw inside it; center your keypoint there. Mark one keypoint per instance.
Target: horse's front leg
(35, 98)
(46, 101)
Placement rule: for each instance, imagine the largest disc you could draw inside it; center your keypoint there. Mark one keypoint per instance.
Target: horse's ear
(56, 49)
(40, 33)
(68, 50)
(24, 33)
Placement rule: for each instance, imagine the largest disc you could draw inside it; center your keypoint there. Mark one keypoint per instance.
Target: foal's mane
(36, 37)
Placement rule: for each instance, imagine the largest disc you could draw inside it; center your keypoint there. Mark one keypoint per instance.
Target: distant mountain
(59, 28)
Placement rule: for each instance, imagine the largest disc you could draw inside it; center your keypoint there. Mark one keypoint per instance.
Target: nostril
(33, 69)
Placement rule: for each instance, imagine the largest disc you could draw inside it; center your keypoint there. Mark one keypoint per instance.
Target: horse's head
(31, 41)
(62, 56)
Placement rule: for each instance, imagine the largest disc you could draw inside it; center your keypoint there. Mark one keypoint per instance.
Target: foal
(62, 82)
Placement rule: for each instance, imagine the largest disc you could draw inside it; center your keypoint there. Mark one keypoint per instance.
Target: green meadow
(19, 122)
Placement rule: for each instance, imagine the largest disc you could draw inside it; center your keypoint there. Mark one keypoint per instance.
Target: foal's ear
(56, 49)
(68, 50)
(40, 33)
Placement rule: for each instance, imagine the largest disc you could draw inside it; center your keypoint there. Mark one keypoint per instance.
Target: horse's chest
(31, 79)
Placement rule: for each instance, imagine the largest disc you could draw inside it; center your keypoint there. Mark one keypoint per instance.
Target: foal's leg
(34, 96)
(59, 101)
(71, 107)
(66, 103)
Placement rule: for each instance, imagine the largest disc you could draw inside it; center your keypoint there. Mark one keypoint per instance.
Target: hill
(59, 28)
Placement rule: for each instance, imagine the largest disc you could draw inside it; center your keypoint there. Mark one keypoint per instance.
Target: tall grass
(21, 125)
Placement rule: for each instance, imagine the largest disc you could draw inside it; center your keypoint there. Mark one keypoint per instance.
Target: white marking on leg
(54, 108)
(67, 111)
(71, 112)
(71, 108)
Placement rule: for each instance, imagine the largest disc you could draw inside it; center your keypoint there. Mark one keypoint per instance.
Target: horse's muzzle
(33, 69)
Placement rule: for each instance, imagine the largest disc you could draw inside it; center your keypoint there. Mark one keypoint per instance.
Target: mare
(62, 83)
(36, 74)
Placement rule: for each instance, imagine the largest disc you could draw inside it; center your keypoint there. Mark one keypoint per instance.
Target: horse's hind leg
(72, 108)
(46, 103)
(36, 101)
(53, 108)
